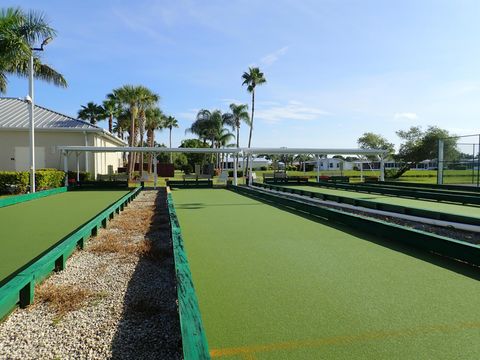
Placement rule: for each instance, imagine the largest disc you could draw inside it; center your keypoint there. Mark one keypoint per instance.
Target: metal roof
(14, 115)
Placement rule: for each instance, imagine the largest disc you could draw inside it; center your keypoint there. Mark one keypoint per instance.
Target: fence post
(440, 162)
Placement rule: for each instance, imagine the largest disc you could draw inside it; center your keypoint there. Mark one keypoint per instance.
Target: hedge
(18, 182)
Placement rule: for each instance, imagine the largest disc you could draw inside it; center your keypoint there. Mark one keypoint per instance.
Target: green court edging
(12, 200)
(190, 184)
(400, 184)
(194, 340)
(19, 290)
(430, 214)
(437, 195)
(444, 246)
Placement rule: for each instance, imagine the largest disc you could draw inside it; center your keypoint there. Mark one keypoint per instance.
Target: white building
(52, 129)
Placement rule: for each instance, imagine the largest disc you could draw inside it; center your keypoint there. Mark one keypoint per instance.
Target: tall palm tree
(128, 96)
(234, 119)
(252, 78)
(155, 120)
(147, 100)
(19, 33)
(170, 123)
(111, 110)
(91, 112)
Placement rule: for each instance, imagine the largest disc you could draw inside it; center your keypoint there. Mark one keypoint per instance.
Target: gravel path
(130, 311)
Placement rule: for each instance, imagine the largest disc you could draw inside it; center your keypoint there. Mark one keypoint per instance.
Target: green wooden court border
(400, 184)
(20, 289)
(17, 199)
(430, 214)
(453, 249)
(470, 198)
(194, 340)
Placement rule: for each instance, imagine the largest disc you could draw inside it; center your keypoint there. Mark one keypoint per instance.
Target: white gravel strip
(105, 326)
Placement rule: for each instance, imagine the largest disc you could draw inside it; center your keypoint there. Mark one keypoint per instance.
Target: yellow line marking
(247, 351)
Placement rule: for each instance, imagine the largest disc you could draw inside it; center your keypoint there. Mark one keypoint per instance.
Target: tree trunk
(170, 137)
(131, 156)
(110, 124)
(251, 129)
(402, 170)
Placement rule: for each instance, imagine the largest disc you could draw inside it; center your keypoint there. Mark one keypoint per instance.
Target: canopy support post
(155, 175)
(318, 168)
(65, 166)
(235, 166)
(78, 167)
(382, 169)
(250, 160)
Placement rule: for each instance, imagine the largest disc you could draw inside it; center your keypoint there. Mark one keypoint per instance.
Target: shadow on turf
(150, 326)
(450, 264)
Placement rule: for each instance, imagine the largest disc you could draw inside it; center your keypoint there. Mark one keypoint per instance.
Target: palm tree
(91, 112)
(111, 110)
(128, 95)
(234, 119)
(147, 100)
(155, 120)
(252, 78)
(170, 123)
(19, 32)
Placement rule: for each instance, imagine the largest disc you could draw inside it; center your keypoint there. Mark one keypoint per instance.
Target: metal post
(318, 168)
(86, 152)
(32, 125)
(361, 171)
(478, 162)
(250, 160)
(65, 166)
(440, 162)
(235, 166)
(155, 175)
(78, 167)
(382, 169)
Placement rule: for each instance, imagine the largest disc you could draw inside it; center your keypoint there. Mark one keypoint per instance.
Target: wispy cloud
(269, 59)
(405, 116)
(293, 110)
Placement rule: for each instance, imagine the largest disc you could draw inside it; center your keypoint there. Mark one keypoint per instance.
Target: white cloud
(293, 110)
(269, 59)
(405, 116)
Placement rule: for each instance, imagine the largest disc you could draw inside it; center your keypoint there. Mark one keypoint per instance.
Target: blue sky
(335, 69)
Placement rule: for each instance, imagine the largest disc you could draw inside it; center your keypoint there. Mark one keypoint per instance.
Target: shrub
(263, 168)
(14, 181)
(290, 168)
(49, 179)
(239, 173)
(187, 169)
(84, 176)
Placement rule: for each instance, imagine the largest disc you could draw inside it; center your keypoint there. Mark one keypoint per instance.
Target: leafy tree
(370, 140)
(252, 78)
(193, 159)
(92, 113)
(421, 145)
(19, 32)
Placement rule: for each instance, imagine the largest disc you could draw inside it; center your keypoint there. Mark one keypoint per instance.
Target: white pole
(318, 168)
(155, 176)
(250, 160)
(65, 166)
(382, 169)
(361, 171)
(32, 125)
(440, 162)
(78, 167)
(235, 166)
(86, 152)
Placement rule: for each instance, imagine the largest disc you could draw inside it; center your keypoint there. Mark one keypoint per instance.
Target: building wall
(14, 151)
(103, 160)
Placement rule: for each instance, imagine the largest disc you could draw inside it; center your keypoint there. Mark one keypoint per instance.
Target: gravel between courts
(132, 310)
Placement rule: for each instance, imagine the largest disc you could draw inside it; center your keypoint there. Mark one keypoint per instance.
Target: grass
(30, 228)
(275, 285)
(63, 298)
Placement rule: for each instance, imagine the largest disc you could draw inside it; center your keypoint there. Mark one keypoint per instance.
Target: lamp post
(31, 103)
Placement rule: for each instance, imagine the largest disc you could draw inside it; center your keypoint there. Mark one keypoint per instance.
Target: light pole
(30, 100)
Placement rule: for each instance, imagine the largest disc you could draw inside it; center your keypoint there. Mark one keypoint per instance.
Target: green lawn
(274, 285)
(470, 210)
(29, 228)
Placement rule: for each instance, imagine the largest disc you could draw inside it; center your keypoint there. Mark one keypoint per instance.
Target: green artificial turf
(470, 210)
(28, 229)
(275, 285)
